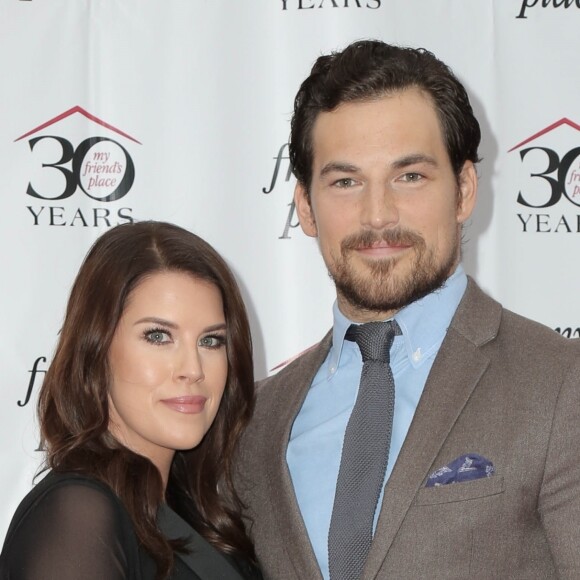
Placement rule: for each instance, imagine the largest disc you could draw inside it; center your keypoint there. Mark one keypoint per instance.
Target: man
(482, 475)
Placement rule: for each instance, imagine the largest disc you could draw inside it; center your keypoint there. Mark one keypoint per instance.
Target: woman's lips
(189, 405)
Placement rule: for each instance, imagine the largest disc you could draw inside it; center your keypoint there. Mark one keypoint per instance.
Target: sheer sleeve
(72, 531)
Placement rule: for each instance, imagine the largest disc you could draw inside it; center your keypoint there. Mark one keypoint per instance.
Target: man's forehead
(404, 123)
(408, 95)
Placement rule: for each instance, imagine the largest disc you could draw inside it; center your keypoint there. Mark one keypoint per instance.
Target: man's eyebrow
(338, 167)
(401, 163)
(413, 159)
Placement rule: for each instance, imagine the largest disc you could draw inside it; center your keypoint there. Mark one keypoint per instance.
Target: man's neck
(358, 314)
(361, 315)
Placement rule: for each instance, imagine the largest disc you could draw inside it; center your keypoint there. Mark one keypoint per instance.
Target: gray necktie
(365, 452)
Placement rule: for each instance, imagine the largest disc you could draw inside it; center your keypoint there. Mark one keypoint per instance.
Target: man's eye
(412, 177)
(344, 182)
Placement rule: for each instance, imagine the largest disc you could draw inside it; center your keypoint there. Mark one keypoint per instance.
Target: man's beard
(380, 289)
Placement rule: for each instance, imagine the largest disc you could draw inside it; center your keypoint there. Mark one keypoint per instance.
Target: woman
(140, 411)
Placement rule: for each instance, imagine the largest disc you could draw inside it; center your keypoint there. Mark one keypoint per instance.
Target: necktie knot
(374, 339)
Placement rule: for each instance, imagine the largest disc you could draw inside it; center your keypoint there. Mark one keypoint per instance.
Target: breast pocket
(454, 492)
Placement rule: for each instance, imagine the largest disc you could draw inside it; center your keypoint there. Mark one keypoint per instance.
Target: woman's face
(168, 365)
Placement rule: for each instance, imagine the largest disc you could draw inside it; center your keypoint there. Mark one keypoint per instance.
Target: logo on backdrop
(564, 4)
(312, 4)
(549, 177)
(568, 331)
(280, 181)
(38, 368)
(65, 169)
(37, 373)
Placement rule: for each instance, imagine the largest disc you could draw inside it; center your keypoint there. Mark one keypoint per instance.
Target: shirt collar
(423, 323)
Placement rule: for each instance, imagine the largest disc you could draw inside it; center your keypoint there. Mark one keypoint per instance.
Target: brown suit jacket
(501, 386)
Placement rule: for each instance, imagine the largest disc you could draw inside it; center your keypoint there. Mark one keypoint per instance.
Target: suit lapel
(294, 384)
(455, 373)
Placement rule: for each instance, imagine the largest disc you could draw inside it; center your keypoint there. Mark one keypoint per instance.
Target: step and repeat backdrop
(185, 106)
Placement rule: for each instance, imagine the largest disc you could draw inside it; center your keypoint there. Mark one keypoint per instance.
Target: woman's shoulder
(54, 479)
(72, 480)
(68, 514)
(72, 493)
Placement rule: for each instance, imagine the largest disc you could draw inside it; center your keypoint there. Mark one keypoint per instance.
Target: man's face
(384, 203)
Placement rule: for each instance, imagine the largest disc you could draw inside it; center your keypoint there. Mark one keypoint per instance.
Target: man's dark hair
(370, 69)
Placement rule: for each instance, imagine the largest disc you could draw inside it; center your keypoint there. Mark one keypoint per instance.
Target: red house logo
(99, 165)
(550, 162)
(79, 152)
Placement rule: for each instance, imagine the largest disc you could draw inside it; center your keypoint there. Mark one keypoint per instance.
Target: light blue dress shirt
(315, 444)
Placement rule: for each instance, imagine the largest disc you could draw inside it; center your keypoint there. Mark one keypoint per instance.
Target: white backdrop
(190, 101)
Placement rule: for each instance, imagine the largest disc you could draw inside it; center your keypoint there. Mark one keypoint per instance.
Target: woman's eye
(157, 336)
(212, 341)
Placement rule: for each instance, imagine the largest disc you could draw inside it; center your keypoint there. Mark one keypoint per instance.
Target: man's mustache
(393, 237)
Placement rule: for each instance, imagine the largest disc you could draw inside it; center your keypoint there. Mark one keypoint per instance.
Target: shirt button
(417, 355)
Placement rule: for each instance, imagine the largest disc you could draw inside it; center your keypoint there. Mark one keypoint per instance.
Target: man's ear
(467, 195)
(303, 205)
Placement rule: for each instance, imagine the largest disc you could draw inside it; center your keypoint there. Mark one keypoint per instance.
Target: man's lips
(382, 249)
(190, 405)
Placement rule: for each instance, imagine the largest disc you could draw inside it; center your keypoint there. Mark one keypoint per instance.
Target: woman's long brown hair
(73, 404)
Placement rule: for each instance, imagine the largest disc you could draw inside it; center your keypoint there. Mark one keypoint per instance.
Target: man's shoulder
(480, 315)
(305, 362)
(533, 334)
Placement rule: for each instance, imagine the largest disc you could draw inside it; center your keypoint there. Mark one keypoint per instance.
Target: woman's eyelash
(163, 335)
(213, 341)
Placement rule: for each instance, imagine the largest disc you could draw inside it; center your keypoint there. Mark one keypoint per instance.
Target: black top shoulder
(68, 527)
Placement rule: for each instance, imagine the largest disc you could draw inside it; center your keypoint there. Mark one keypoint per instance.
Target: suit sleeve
(559, 501)
(71, 532)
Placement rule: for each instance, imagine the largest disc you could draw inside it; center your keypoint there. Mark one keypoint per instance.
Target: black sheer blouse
(71, 527)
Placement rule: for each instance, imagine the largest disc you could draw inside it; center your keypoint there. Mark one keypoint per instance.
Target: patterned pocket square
(464, 468)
